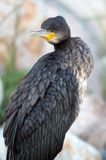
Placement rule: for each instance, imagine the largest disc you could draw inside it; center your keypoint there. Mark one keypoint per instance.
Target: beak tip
(37, 33)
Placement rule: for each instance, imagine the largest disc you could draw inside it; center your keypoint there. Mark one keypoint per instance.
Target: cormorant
(47, 101)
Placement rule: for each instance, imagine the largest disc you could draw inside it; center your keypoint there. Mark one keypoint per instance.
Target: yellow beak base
(44, 34)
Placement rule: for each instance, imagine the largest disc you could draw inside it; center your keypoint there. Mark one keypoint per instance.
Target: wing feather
(40, 110)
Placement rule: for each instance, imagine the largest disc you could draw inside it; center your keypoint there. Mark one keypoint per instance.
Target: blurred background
(19, 52)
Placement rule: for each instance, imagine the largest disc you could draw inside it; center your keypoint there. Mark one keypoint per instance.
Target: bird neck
(64, 45)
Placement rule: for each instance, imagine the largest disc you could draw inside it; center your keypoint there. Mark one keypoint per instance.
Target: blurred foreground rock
(2, 146)
(103, 153)
(76, 149)
(73, 149)
(91, 122)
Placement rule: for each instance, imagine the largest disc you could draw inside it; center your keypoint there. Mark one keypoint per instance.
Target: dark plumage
(47, 101)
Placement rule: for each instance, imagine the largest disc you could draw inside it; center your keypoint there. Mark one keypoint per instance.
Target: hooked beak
(48, 35)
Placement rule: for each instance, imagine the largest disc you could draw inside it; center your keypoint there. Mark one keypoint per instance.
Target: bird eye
(50, 29)
(53, 30)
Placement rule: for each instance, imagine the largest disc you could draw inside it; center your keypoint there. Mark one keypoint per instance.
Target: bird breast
(81, 76)
(82, 88)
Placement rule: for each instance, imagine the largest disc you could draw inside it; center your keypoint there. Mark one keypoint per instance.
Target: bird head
(54, 30)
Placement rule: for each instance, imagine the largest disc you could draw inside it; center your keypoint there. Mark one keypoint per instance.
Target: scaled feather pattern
(47, 101)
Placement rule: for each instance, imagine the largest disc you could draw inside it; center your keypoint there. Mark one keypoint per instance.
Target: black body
(47, 101)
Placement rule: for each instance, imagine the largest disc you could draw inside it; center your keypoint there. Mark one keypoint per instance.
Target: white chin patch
(54, 41)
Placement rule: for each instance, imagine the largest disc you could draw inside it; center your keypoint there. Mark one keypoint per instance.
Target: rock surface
(76, 149)
(2, 146)
(91, 122)
(73, 149)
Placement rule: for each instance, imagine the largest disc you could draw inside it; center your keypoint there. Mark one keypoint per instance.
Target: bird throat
(63, 45)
